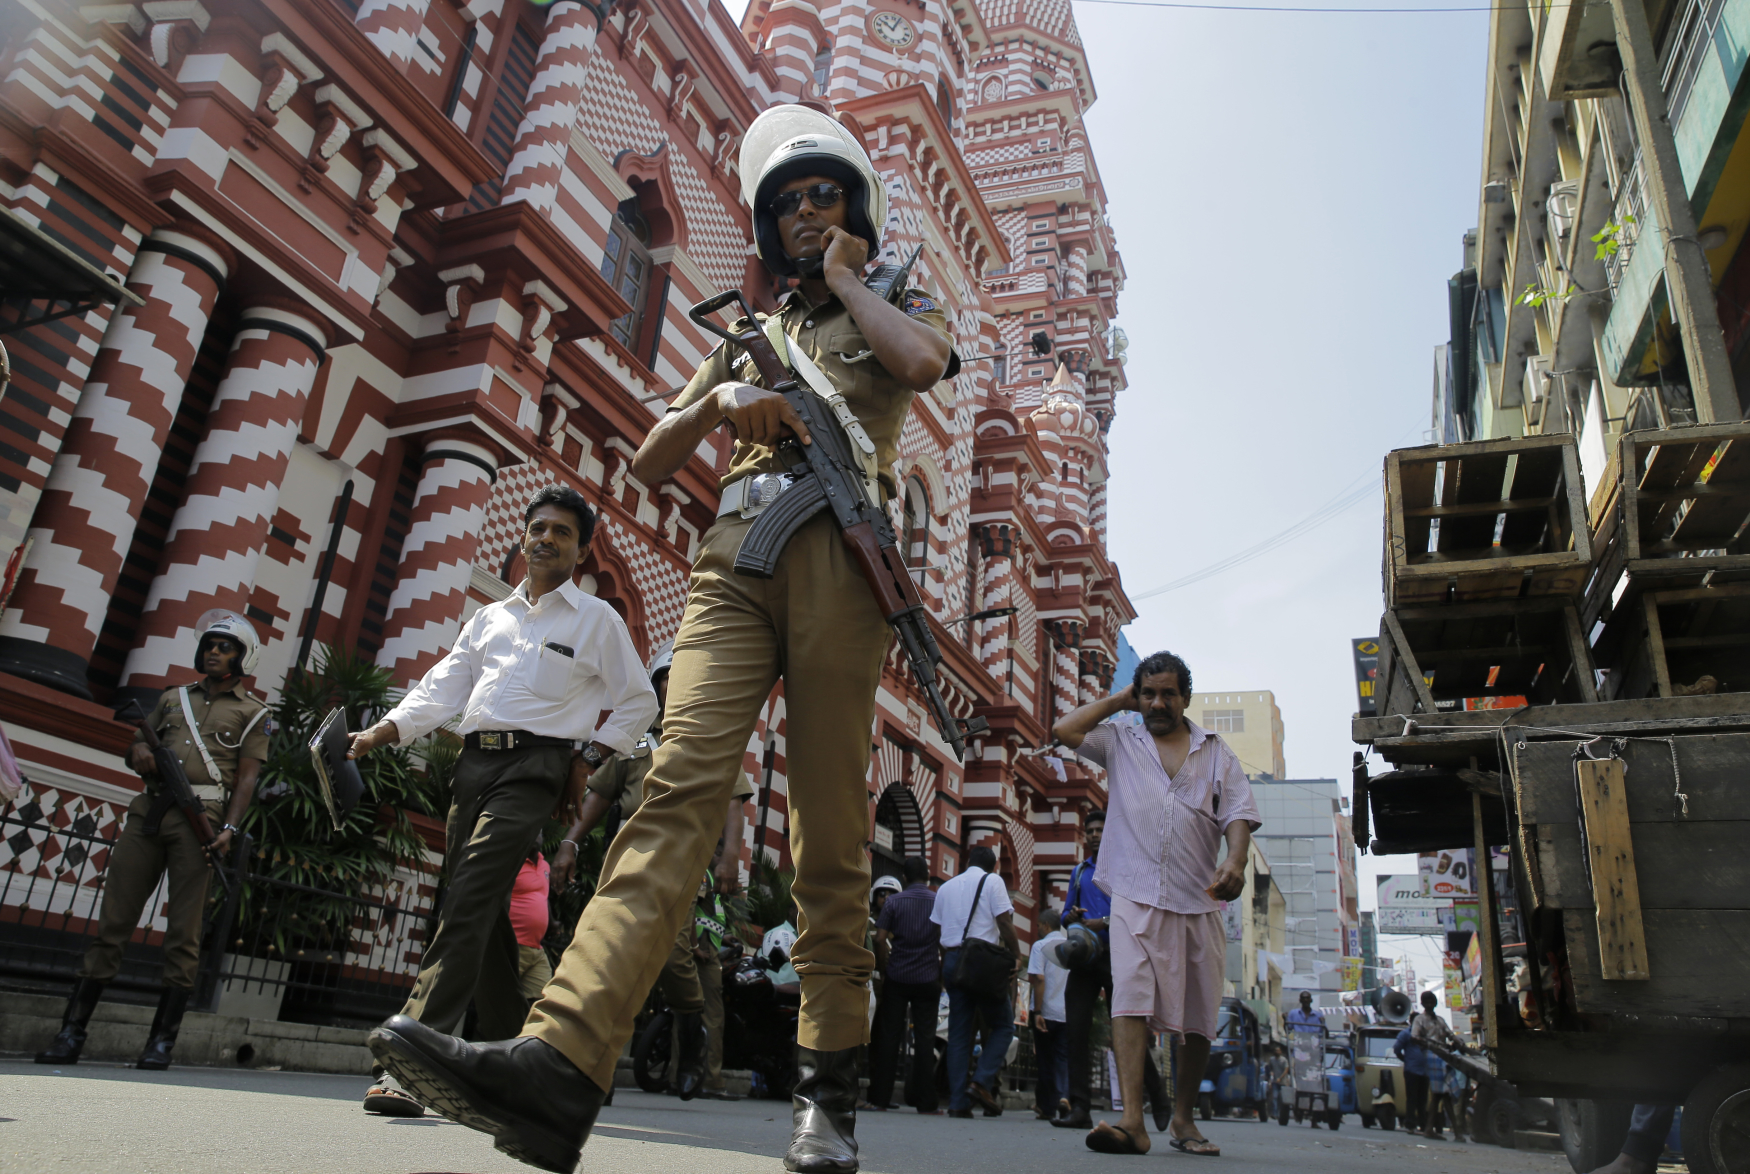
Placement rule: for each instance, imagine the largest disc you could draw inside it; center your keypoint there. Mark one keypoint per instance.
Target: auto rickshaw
(1339, 1079)
(1379, 1077)
(1233, 1081)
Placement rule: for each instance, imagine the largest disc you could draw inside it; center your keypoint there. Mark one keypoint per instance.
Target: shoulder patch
(917, 303)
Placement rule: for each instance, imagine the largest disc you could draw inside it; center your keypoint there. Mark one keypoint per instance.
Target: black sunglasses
(821, 195)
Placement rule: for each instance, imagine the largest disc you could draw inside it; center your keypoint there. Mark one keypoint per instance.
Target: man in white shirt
(531, 675)
(975, 904)
(1049, 980)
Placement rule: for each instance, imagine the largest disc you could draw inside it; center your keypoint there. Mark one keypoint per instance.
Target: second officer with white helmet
(819, 209)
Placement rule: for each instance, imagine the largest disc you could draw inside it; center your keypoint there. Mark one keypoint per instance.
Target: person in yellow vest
(218, 731)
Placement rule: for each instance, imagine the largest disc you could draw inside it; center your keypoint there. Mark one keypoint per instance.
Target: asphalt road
(106, 1118)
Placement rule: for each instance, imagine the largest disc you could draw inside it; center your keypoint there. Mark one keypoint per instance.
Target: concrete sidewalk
(97, 1119)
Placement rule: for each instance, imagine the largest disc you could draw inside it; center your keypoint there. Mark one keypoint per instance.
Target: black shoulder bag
(983, 968)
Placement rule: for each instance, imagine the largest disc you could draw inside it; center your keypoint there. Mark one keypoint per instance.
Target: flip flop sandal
(1201, 1146)
(1102, 1141)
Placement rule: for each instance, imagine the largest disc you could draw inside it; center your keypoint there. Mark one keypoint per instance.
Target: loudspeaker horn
(1395, 1006)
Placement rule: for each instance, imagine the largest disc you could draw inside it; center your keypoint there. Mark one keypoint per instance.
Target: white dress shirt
(954, 903)
(509, 671)
(1043, 962)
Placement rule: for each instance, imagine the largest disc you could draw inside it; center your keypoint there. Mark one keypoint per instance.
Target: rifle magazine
(765, 540)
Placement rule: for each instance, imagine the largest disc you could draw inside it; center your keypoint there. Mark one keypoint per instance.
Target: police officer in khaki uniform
(819, 207)
(698, 1033)
(218, 731)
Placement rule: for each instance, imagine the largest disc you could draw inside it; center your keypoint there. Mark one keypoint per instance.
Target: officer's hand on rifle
(140, 759)
(758, 416)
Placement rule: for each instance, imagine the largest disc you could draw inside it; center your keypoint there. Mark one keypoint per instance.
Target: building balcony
(1707, 98)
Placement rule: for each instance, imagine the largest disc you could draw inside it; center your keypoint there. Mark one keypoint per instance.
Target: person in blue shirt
(1303, 1017)
(1087, 905)
(1409, 1049)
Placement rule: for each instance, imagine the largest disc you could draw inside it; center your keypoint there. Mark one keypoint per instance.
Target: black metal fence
(271, 948)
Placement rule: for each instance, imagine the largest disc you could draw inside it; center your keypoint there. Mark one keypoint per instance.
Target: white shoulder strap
(194, 728)
(816, 381)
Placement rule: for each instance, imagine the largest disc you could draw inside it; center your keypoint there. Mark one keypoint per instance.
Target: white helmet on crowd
(233, 627)
(788, 141)
(885, 884)
(661, 659)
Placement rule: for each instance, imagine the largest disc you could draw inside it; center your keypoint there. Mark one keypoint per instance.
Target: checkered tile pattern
(1021, 840)
(233, 490)
(1048, 16)
(502, 529)
(46, 871)
(98, 484)
(661, 581)
(614, 119)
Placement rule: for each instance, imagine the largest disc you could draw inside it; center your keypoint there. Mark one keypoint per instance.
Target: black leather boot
(165, 1024)
(536, 1104)
(70, 1040)
(824, 1113)
(689, 1075)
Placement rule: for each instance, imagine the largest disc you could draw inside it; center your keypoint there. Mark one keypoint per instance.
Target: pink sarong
(1169, 968)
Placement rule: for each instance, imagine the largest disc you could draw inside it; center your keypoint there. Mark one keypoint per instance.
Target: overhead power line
(1357, 491)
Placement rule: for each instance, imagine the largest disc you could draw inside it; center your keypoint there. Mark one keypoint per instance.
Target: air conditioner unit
(1561, 204)
(1536, 389)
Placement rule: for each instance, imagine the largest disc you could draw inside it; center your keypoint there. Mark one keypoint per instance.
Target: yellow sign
(1351, 974)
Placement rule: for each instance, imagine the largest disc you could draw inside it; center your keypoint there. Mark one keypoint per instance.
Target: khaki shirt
(832, 338)
(621, 778)
(221, 718)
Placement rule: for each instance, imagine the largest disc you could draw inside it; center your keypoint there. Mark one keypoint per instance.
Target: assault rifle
(177, 790)
(828, 477)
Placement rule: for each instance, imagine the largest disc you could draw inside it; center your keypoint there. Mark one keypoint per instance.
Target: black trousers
(1047, 1046)
(1079, 997)
(1415, 1100)
(921, 1000)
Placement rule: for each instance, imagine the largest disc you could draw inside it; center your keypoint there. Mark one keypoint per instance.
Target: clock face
(890, 28)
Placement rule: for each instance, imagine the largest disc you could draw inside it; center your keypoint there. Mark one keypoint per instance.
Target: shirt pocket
(551, 673)
(848, 360)
(225, 728)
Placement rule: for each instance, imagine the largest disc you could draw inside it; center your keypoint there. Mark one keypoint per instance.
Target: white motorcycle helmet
(886, 883)
(788, 141)
(233, 627)
(661, 659)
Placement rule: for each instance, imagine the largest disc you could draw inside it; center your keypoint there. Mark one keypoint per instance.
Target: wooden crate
(1531, 648)
(1497, 519)
(1676, 518)
(1664, 642)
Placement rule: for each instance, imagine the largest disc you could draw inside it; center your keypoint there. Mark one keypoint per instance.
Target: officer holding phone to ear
(531, 676)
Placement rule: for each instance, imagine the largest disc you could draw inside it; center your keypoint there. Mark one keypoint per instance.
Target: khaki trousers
(135, 863)
(500, 801)
(679, 980)
(815, 624)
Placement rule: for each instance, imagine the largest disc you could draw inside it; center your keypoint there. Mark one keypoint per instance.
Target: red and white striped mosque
(342, 282)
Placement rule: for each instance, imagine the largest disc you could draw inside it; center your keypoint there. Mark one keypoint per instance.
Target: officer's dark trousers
(500, 799)
(135, 864)
(1079, 997)
(922, 1000)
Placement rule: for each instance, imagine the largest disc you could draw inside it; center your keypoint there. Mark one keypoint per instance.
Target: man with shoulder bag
(980, 957)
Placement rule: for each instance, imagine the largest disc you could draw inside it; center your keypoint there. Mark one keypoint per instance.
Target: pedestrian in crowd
(1048, 978)
(1425, 1028)
(1648, 1129)
(1435, 1119)
(819, 209)
(1304, 1017)
(530, 897)
(1177, 792)
(1086, 905)
(884, 887)
(970, 908)
(715, 945)
(531, 676)
(217, 729)
(906, 953)
(1458, 1100)
(619, 787)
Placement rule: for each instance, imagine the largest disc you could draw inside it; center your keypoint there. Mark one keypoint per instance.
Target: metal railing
(1689, 46)
(271, 948)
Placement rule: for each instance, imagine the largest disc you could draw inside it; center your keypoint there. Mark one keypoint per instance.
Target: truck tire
(1503, 1120)
(651, 1053)
(1716, 1122)
(1592, 1132)
(1387, 1116)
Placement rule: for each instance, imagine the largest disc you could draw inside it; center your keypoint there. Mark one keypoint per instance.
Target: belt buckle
(762, 491)
(491, 740)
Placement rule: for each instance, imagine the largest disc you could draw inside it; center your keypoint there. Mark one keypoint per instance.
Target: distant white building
(1306, 836)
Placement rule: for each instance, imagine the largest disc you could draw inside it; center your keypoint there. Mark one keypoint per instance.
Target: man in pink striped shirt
(1177, 791)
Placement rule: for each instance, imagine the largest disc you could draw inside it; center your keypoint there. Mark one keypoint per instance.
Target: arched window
(822, 68)
(917, 523)
(945, 102)
(626, 265)
(1042, 81)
